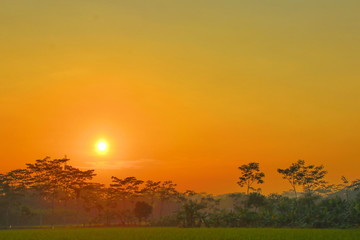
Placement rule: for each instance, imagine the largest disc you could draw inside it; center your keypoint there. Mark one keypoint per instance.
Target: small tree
(250, 174)
(195, 208)
(142, 210)
(256, 200)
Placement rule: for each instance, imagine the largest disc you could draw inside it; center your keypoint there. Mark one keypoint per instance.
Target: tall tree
(12, 187)
(294, 174)
(124, 193)
(151, 190)
(250, 174)
(166, 191)
(310, 177)
(46, 176)
(313, 179)
(57, 182)
(74, 180)
(128, 187)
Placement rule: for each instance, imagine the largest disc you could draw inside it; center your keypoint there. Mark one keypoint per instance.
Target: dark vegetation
(51, 192)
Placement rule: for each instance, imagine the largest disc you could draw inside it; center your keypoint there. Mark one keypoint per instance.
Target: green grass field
(180, 234)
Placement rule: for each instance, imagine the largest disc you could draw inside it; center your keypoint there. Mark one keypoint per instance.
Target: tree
(12, 189)
(310, 177)
(142, 210)
(123, 193)
(150, 190)
(93, 198)
(56, 182)
(75, 180)
(47, 176)
(250, 174)
(195, 208)
(256, 200)
(166, 191)
(313, 178)
(128, 187)
(294, 174)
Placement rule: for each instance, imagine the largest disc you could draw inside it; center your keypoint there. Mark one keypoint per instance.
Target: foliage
(52, 192)
(142, 210)
(310, 177)
(250, 174)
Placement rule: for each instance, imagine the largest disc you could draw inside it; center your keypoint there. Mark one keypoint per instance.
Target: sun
(102, 147)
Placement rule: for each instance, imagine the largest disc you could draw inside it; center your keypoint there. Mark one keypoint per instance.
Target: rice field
(180, 234)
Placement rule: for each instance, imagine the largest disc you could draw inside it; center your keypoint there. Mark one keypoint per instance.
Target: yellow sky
(182, 90)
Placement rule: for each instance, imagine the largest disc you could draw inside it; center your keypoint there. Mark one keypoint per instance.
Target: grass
(180, 234)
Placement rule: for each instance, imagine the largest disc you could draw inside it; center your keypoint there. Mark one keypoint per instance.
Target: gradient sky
(182, 90)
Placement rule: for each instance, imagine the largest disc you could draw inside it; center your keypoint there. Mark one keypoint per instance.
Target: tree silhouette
(124, 193)
(250, 174)
(128, 187)
(151, 190)
(142, 210)
(310, 177)
(166, 191)
(51, 191)
(12, 188)
(193, 210)
(294, 174)
(313, 178)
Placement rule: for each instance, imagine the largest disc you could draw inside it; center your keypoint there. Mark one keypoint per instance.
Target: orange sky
(182, 90)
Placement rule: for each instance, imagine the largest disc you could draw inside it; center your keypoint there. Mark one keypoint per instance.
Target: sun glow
(101, 147)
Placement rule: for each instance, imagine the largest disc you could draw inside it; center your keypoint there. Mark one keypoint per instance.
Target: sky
(182, 90)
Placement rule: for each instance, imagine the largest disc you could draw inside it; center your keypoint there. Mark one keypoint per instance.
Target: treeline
(51, 192)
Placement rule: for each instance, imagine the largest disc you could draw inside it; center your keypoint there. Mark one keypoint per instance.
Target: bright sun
(102, 147)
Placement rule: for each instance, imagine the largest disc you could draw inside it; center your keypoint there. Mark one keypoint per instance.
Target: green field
(180, 234)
